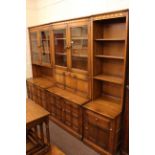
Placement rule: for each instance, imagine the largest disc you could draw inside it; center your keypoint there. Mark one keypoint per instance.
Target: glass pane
(34, 47)
(59, 46)
(45, 46)
(79, 47)
(33, 35)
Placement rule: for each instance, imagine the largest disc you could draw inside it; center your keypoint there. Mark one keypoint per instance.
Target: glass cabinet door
(60, 47)
(34, 47)
(45, 47)
(79, 47)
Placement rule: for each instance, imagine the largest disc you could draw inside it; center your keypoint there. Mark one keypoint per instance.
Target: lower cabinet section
(101, 133)
(37, 94)
(66, 114)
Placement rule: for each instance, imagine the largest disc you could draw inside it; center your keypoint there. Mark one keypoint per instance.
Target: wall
(46, 11)
(31, 19)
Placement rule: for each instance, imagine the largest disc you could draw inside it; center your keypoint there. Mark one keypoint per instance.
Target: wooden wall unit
(84, 62)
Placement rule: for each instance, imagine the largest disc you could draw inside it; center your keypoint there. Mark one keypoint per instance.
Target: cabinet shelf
(81, 56)
(110, 39)
(109, 78)
(79, 38)
(60, 38)
(109, 57)
(60, 53)
(45, 40)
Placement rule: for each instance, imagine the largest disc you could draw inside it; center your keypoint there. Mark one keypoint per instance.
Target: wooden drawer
(66, 112)
(37, 94)
(96, 119)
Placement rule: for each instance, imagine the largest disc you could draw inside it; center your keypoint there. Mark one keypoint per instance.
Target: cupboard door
(34, 47)
(79, 47)
(60, 47)
(96, 129)
(45, 47)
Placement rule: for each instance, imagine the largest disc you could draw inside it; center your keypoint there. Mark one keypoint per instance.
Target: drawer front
(66, 112)
(73, 116)
(51, 104)
(98, 120)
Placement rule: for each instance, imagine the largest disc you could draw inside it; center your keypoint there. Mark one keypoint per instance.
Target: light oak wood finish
(37, 139)
(109, 41)
(68, 95)
(66, 110)
(36, 89)
(109, 78)
(34, 111)
(106, 107)
(89, 65)
(55, 151)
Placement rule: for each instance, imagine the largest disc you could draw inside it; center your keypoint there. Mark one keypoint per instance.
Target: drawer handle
(96, 119)
(110, 129)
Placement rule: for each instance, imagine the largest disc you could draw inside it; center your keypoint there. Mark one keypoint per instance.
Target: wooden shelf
(81, 56)
(104, 106)
(60, 38)
(45, 39)
(60, 53)
(109, 57)
(110, 39)
(79, 38)
(109, 78)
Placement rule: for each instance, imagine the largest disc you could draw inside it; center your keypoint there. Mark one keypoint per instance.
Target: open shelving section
(109, 56)
(110, 39)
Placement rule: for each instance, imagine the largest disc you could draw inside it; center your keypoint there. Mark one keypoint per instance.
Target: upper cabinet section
(71, 45)
(79, 47)
(34, 47)
(45, 47)
(40, 46)
(60, 49)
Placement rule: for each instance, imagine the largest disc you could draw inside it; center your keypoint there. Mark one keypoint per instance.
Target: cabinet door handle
(96, 119)
(86, 128)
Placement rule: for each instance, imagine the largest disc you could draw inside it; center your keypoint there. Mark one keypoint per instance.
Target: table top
(34, 111)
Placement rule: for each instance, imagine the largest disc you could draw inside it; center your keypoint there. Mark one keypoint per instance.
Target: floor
(67, 143)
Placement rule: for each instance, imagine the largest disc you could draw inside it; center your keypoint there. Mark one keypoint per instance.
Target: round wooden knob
(96, 119)
(86, 128)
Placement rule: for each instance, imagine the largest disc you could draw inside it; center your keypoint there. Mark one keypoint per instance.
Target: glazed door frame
(45, 29)
(39, 47)
(59, 26)
(35, 30)
(74, 24)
